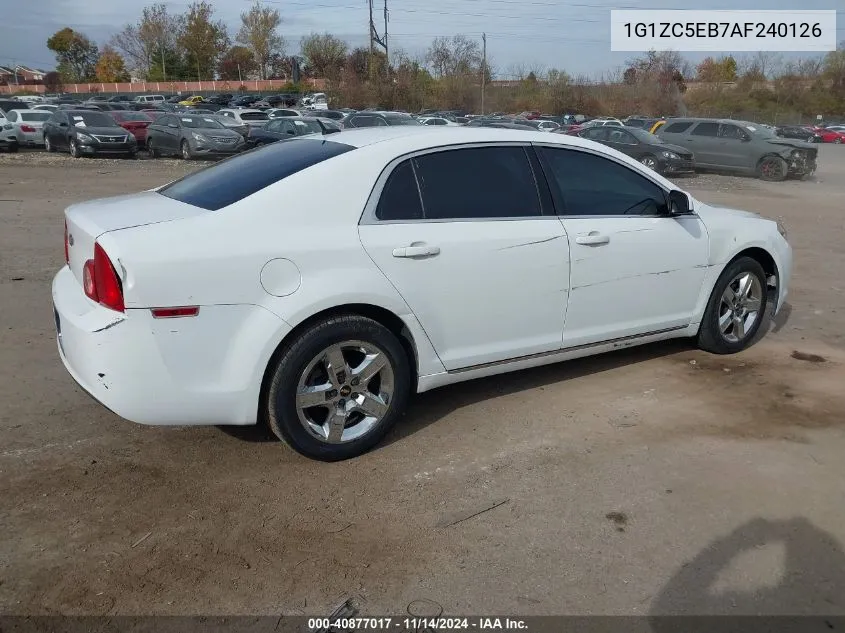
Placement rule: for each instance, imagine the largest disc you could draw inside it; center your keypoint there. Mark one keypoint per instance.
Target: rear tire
(736, 309)
(12, 148)
(365, 407)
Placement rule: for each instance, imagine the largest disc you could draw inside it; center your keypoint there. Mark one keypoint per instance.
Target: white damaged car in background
(436, 255)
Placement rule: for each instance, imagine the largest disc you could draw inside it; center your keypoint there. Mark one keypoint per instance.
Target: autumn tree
(75, 53)
(717, 70)
(203, 39)
(236, 64)
(259, 34)
(53, 82)
(110, 67)
(324, 53)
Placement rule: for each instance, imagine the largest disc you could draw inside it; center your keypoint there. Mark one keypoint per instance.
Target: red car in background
(829, 136)
(134, 122)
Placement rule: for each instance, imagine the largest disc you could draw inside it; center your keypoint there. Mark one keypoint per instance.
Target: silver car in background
(27, 126)
(245, 116)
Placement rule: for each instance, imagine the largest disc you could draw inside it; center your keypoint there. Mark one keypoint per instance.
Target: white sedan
(313, 285)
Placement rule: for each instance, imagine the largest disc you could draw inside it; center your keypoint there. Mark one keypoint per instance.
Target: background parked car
(231, 124)
(289, 127)
(191, 136)
(134, 122)
(12, 104)
(800, 132)
(27, 126)
(275, 113)
(378, 118)
(335, 115)
(435, 120)
(742, 147)
(829, 135)
(650, 150)
(87, 133)
(246, 116)
(8, 142)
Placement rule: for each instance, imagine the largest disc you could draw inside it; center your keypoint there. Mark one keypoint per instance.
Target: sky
(521, 34)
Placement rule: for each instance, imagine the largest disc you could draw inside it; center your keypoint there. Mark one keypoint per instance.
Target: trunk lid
(89, 220)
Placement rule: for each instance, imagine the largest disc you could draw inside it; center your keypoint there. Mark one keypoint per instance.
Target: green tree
(259, 34)
(75, 53)
(203, 39)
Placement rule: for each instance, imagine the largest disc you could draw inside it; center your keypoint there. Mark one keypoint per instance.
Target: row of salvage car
(681, 145)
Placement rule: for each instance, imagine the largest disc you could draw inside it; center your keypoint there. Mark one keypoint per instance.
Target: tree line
(195, 45)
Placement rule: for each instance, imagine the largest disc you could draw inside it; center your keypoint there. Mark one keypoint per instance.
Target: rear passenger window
(706, 129)
(593, 185)
(483, 182)
(677, 128)
(400, 199)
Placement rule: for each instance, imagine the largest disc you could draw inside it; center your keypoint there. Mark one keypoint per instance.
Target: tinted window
(81, 118)
(593, 185)
(254, 116)
(706, 129)
(400, 119)
(236, 178)
(200, 122)
(35, 116)
(732, 131)
(484, 182)
(621, 136)
(594, 133)
(133, 116)
(677, 128)
(400, 199)
(166, 120)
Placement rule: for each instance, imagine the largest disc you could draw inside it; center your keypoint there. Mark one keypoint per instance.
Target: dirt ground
(655, 480)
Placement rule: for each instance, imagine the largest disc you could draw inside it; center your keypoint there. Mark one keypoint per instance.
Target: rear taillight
(100, 281)
(27, 128)
(67, 246)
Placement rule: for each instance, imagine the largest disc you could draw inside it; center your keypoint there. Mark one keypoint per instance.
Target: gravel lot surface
(654, 480)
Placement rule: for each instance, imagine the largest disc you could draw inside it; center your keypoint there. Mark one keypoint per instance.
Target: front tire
(837, 140)
(152, 152)
(651, 162)
(186, 151)
(736, 309)
(48, 145)
(73, 148)
(772, 169)
(337, 389)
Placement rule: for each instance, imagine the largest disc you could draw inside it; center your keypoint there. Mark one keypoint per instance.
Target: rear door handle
(593, 239)
(416, 251)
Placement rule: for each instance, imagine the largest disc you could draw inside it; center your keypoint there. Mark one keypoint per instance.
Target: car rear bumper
(186, 371)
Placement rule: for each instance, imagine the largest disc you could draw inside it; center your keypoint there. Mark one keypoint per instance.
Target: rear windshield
(234, 179)
(134, 116)
(254, 116)
(35, 116)
(400, 119)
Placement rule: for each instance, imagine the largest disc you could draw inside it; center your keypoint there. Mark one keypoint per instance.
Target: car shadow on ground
(810, 581)
(429, 407)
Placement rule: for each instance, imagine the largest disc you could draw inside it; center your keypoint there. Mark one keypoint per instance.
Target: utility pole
(240, 77)
(386, 52)
(483, 68)
(374, 37)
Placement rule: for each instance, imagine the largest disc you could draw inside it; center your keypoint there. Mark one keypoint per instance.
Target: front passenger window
(594, 185)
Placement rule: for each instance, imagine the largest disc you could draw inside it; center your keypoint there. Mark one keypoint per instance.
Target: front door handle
(592, 239)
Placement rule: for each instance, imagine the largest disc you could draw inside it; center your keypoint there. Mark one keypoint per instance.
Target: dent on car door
(462, 236)
(635, 269)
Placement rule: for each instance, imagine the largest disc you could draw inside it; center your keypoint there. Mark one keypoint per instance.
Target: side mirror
(291, 132)
(679, 203)
(746, 138)
(62, 123)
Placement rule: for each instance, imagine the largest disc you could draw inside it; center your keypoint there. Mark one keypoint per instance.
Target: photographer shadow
(812, 583)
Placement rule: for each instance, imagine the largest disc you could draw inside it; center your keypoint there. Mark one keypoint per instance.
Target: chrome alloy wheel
(739, 308)
(649, 162)
(345, 391)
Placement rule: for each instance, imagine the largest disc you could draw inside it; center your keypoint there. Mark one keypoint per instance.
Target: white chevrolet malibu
(313, 285)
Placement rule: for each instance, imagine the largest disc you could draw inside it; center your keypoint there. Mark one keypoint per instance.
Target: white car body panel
(497, 289)
(497, 297)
